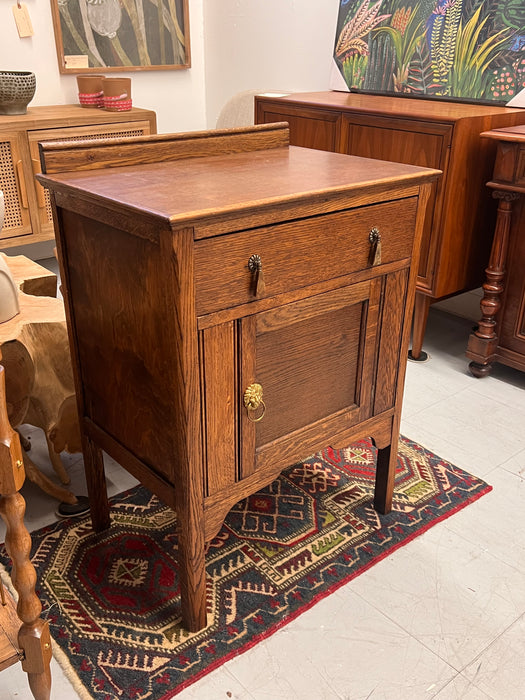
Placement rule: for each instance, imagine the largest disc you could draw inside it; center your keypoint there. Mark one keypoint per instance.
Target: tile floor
(443, 617)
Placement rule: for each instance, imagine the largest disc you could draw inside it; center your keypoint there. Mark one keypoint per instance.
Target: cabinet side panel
(219, 389)
(120, 328)
(394, 305)
(512, 328)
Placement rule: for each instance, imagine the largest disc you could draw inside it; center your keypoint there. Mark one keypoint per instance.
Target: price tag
(76, 61)
(23, 20)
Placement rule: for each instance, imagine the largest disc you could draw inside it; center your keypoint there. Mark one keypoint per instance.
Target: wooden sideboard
(28, 217)
(500, 335)
(232, 313)
(444, 135)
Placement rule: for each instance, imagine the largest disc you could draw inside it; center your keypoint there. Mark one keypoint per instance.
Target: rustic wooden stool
(39, 382)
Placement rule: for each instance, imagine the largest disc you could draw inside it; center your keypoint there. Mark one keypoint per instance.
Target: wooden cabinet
(232, 313)
(443, 135)
(500, 335)
(28, 216)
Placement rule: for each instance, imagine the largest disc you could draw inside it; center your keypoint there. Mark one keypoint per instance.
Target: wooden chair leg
(33, 635)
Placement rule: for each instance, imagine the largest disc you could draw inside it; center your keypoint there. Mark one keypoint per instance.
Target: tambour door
(279, 382)
(44, 224)
(17, 221)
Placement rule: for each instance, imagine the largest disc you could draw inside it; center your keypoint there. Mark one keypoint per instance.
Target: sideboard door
(414, 143)
(311, 128)
(17, 220)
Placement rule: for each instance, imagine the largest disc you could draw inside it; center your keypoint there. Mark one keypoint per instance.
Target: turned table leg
(483, 342)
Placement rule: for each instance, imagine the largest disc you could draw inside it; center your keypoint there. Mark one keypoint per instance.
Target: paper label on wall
(76, 61)
(23, 20)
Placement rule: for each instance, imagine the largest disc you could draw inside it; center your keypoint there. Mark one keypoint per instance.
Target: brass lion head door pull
(253, 401)
(375, 247)
(255, 267)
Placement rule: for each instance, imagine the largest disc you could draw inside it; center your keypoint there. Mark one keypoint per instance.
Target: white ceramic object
(8, 291)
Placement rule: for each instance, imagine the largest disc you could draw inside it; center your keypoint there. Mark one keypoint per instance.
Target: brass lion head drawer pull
(374, 238)
(253, 401)
(256, 268)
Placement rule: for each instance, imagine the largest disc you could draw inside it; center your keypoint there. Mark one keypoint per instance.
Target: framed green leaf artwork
(462, 50)
(121, 35)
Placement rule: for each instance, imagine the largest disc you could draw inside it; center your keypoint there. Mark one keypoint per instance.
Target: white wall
(178, 97)
(236, 45)
(266, 45)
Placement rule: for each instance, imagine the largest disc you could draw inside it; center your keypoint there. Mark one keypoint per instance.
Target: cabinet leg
(96, 484)
(478, 370)
(192, 569)
(385, 477)
(421, 309)
(40, 684)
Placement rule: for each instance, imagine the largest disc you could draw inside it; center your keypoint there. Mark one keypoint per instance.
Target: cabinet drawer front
(299, 254)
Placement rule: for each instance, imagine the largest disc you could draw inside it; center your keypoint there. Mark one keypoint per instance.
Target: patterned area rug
(112, 599)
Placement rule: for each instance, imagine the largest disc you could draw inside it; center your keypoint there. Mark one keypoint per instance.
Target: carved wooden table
(234, 305)
(500, 335)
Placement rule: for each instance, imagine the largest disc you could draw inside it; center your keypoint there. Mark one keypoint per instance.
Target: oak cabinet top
(186, 191)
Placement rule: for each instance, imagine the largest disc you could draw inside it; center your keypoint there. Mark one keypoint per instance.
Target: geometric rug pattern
(112, 599)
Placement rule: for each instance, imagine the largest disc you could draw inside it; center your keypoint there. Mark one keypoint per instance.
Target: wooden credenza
(234, 304)
(500, 335)
(444, 135)
(28, 217)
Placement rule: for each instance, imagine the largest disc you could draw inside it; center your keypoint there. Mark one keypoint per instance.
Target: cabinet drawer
(299, 253)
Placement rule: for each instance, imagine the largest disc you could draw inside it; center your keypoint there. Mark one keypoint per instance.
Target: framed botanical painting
(463, 50)
(121, 35)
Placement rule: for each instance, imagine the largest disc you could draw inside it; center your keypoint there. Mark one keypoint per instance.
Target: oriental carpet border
(278, 553)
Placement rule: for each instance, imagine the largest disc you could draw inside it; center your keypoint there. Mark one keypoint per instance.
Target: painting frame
(470, 51)
(103, 36)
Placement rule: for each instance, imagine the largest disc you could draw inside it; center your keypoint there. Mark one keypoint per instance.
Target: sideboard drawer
(299, 253)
